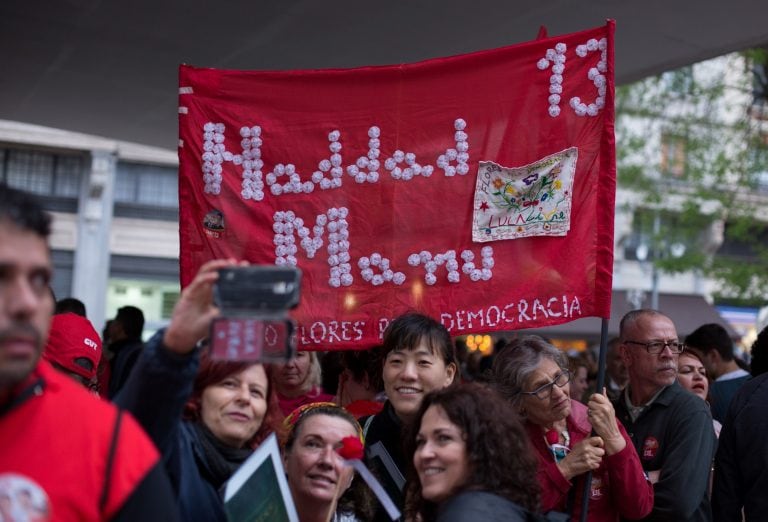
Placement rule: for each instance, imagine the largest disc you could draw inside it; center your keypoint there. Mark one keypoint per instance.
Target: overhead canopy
(110, 68)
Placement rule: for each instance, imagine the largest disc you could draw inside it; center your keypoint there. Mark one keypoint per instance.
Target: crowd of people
(527, 440)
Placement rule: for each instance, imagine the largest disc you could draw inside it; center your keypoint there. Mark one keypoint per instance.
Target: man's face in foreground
(26, 303)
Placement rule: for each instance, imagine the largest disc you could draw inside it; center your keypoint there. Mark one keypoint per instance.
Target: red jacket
(55, 444)
(619, 486)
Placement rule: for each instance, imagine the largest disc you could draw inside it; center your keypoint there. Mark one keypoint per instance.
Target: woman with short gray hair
(532, 374)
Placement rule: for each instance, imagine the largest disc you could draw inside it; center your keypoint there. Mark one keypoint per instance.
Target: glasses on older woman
(544, 391)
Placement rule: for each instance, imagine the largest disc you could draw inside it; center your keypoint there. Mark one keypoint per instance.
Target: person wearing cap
(74, 348)
(78, 456)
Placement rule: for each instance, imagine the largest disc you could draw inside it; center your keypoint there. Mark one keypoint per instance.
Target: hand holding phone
(195, 309)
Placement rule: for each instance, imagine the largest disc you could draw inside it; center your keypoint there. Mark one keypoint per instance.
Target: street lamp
(654, 250)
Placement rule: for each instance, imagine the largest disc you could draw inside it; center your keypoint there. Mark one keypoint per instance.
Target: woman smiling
(471, 459)
(322, 485)
(228, 407)
(418, 357)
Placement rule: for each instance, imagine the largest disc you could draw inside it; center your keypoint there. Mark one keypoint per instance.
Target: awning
(687, 311)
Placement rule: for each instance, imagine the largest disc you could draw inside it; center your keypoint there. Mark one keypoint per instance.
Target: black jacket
(481, 505)
(741, 464)
(156, 395)
(125, 355)
(387, 428)
(675, 435)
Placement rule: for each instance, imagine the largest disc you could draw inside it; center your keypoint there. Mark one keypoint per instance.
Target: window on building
(169, 301)
(759, 64)
(30, 171)
(67, 177)
(155, 298)
(664, 233)
(146, 191)
(679, 81)
(758, 162)
(56, 177)
(744, 243)
(673, 150)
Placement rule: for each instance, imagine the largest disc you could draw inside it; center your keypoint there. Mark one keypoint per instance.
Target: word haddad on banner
(478, 189)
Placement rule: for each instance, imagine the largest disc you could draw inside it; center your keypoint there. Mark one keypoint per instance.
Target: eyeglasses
(544, 391)
(656, 347)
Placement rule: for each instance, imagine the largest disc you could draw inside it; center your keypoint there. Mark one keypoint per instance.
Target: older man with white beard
(670, 427)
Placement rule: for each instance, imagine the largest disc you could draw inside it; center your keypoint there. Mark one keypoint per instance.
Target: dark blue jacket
(741, 464)
(482, 505)
(721, 393)
(126, 353)
(155, 394)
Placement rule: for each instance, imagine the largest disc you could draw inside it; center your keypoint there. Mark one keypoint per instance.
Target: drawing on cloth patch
(532, 200)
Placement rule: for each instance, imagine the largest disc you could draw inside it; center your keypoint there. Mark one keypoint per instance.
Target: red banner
(478, 189)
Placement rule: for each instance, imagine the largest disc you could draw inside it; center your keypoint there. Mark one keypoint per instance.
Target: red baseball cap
(73, 337)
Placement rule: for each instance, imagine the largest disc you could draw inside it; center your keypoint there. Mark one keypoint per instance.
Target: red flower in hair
(351, 448)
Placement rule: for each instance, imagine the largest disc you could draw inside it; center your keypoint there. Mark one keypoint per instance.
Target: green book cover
(258, 491)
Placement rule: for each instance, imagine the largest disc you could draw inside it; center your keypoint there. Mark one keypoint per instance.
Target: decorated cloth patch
(533, 200)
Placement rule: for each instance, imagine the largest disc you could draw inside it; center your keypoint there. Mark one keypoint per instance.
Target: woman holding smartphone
(205, 416)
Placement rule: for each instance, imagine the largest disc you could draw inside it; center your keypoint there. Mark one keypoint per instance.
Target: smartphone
(257, 289)
(254, 324)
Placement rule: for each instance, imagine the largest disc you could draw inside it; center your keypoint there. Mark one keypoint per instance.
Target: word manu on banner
(478, 189)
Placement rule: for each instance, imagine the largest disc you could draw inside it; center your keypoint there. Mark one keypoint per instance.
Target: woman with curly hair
(323, 487)
(533, 375)
(204, 416)
(471, 459)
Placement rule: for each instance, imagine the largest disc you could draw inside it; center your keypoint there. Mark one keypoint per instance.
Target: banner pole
(600, 384)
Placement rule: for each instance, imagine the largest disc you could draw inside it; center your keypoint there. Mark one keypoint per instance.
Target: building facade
(115, 207)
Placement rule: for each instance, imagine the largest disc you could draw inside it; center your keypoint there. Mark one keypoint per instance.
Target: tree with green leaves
(692, 168)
